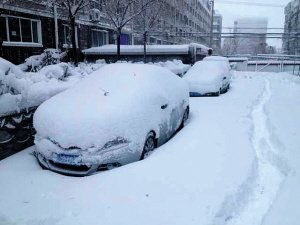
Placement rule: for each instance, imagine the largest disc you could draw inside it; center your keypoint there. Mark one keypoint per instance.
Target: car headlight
(117, 143)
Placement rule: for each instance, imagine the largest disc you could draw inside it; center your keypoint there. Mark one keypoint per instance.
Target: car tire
(185, 117)
(217, 94)
(228, 87)
(149, 145)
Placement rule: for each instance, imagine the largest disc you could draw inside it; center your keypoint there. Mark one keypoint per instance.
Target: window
(14, 30)
(3, 33)
(152, 40)
(99, 38)
(21, 30)
(67, 38)
(97, 4)
(67, 35)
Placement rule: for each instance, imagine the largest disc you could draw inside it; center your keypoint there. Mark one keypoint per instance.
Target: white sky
(230, 12)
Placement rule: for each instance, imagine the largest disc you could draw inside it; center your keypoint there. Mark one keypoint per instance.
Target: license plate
(70, 159)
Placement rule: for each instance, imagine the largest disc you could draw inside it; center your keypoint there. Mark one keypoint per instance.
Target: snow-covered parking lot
(236, 162)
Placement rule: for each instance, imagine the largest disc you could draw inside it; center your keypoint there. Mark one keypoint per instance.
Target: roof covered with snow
(139, 49)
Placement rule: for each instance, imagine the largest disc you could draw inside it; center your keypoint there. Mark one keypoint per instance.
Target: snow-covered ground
(236, 162)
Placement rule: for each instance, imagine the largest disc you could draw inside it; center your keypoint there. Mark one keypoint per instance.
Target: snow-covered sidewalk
(235, 158)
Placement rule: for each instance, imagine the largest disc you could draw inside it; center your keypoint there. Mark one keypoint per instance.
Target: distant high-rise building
(217, 30)
(251, 35)
(291, 40)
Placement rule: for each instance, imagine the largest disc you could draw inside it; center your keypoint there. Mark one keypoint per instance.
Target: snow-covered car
(227, 66)
(115, 116)
(209, 77)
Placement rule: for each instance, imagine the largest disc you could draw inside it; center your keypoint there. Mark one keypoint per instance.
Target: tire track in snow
(255, 197)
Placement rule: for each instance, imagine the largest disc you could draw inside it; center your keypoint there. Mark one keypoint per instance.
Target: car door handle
(164, 106)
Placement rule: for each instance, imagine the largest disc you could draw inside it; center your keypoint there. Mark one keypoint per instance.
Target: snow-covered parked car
(227, 66)
(209, 77)
(115, 116)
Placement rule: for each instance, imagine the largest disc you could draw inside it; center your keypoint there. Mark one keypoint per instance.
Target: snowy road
(236, 162)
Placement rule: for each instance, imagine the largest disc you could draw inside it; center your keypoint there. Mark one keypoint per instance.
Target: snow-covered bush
(20, 90)
(37, 62)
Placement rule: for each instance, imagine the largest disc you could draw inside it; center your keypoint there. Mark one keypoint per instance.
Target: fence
(16, 132)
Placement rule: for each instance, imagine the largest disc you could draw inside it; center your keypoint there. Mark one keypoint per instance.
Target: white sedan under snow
(209, 77)
(115, 116)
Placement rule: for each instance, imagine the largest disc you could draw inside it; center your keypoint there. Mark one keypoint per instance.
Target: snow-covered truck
(188, 53)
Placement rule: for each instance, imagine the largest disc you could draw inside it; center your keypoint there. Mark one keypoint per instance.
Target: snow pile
(20, 90)
(37, 62)
(85, 69)
(119, 100)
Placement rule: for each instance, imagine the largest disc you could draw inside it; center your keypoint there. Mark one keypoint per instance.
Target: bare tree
(72, 8)
(232, 45)
(121, 13)
(149, 19)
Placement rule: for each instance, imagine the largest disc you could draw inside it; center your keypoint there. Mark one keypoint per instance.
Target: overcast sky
(275, 16)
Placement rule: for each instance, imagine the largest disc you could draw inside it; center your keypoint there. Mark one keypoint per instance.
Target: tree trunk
(145, 47)
(119, 44)
(1, 42)
(73, 37)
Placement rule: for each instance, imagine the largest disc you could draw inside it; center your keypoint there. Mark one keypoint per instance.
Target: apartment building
(182, 22)
(217, 30)
(291, 40)
(251, 35)
(28, 27)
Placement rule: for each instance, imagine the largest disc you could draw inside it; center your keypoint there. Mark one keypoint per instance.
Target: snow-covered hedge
(20, 90)
(37, 62)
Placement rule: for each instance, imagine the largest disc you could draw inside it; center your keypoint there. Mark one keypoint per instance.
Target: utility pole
(212, 2)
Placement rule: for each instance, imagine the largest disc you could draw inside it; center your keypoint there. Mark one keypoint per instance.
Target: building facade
(217, 30)
(182, 22)
(28, 27)
(291, 40)
(250, 35)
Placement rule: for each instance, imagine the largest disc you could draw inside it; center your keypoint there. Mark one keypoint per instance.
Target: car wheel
(218, 93)
(149, 145)
(228, 87)
(185, 117)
